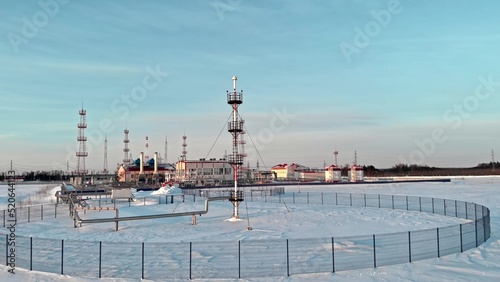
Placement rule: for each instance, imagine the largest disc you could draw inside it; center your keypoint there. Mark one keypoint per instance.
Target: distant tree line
(489, 165)
(54, 175)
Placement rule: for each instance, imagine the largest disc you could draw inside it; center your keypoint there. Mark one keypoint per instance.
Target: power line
(216, 139)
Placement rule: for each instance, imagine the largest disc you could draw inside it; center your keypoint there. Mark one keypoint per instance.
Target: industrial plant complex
(153, 171)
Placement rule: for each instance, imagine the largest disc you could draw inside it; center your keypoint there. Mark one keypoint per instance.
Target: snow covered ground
(277, 221)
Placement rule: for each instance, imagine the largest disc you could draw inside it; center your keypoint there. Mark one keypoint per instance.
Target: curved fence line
(253, 258)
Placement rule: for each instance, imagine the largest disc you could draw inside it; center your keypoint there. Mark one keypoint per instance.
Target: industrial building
(203, 172)
(333, 173)
(287, 171)
(149, 172)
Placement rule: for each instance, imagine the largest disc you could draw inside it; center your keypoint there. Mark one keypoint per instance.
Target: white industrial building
(295, 171)
(203, 172)
(333, 173)
(356, 174)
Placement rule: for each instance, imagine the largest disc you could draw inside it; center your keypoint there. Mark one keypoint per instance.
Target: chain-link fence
(253, 258)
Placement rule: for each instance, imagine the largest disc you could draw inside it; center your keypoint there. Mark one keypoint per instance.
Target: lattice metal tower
(184, 145)
(82, 139)
(146, 151)
(126, 159)
(235, 127)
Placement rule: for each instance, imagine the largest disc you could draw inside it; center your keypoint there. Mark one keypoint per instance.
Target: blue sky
(397, 81)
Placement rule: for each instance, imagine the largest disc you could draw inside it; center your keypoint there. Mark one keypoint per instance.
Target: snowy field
(291, 221)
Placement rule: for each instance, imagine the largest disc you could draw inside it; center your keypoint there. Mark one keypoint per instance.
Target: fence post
(4, 218)
(461, 242)
(307, 197)
(31, 253)
(407, 203)
(29, 214)
(100, 258)
(374, 253)
(392, 201)
(420, 203)
(336, 199)
(55, 211)
(350, 199)
(239, 259)
(456, 209)
(142, 261)
(379, 201)
(409, 246)
(41, 210)
(485, 222)
(364, 195)
(437, 237)
(432, 205)
(475, 231)
(333, 256)
(62, 256)
(287, 259)
(293, 196)
(321, 197)
(6, 249)
(190, 258)
(466, 211)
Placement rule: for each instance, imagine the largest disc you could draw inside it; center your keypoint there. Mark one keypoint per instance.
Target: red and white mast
(235, 127)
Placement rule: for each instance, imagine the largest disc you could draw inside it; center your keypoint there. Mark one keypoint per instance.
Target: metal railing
(258, 258)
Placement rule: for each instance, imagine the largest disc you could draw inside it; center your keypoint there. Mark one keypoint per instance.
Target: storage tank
(333, 173)
(356, 174)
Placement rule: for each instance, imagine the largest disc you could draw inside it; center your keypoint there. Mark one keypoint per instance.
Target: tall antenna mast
(355, 158)
(105, 154)
(235, 127)
(184, 145)
(126, 158)
(335, 153)
(82, 151)
(146, 151)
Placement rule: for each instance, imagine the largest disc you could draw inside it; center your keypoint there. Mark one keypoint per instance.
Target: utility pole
(492, 161)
